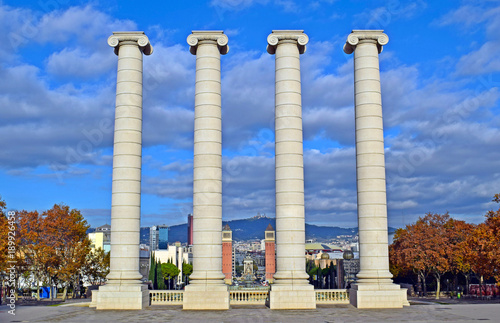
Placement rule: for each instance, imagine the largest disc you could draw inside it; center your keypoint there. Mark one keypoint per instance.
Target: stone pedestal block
(378, 296)
(292, 297)
(206, 297)
(121, 297)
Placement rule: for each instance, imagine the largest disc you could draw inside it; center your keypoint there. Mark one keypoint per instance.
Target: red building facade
(270, 242)
(227, 254)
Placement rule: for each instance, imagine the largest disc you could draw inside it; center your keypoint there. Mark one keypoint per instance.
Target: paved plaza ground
(422, 310)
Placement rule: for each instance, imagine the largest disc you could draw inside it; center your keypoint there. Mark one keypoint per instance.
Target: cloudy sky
(440, 76)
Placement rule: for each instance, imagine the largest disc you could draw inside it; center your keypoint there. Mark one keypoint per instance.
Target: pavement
(421, 310)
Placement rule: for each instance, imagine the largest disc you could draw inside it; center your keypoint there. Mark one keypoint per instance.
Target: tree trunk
(50, 289)
(424, 284)
(481, 286)
(37, 278)
(65, 292)
(438, 285)
(419, 285)
(467, 277)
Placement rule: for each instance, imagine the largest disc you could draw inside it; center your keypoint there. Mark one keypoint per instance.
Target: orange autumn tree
(32, 244)
(484, 246)
(422, 247)
(68, 243)
(458, 234)
(4, 231)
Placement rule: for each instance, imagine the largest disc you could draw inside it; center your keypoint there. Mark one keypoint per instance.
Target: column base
(378, 296)
(292, 297)
(120, 297)
(206, 297)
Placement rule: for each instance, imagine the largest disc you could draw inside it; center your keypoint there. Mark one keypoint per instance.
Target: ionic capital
(376, 37)
(131, 36)
(216, 36)
(283, 35)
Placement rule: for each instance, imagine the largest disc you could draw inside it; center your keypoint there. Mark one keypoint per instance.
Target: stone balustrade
(166, 297)
(248, 297)
(332, 296)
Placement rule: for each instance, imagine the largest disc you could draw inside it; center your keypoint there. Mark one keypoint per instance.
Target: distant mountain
(253, 228)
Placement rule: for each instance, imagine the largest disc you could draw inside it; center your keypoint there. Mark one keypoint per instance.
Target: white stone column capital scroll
(216, 36)
(287, 35)
(375, 36)
(131, 36)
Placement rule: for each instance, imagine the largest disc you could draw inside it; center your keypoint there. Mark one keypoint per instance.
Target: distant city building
(158, 237)
(227, 254)
(101, 238)
(163, 237)
(104, 228)
(270, 247)
(154, 236)
(190, 230)
(145, 235)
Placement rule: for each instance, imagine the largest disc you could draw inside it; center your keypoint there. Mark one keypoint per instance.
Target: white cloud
(482, 61)
(381, 17)
(78, 63)
(236, 4)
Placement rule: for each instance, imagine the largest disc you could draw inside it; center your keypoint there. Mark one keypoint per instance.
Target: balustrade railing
(332, 296)
(166, 297)
(248, 297)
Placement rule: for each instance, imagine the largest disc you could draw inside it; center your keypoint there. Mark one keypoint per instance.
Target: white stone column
(207, 289)
(124, 289)
(291, 289)
(374, 287)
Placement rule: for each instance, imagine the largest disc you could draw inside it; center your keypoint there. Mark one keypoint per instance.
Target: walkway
(424, 312)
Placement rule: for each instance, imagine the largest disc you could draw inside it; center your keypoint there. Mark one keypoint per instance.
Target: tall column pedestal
(374, 287)
(207, 290)
(124, 289)
(291, 289)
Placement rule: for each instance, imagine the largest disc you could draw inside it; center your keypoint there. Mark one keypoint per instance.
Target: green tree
(96, 266)
(187, 269)
(152, 269)
(160, 281)
(170, 272)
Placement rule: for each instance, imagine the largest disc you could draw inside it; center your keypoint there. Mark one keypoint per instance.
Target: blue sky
(440, 75)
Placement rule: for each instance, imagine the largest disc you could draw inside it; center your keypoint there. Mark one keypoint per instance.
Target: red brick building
(227, 254)
(270, 242)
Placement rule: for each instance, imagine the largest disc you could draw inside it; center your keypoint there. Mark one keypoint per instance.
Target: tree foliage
(437, 244)
(169, 270)
(4, 232)
(187, 269)
(96, 266)
(53, 245)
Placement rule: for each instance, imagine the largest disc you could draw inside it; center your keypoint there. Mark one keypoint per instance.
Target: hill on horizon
(253, 228)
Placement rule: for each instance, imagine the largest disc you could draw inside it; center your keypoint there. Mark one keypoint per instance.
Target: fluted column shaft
(370, 162)
(126, 181)
(207, 163)
(290, 222)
